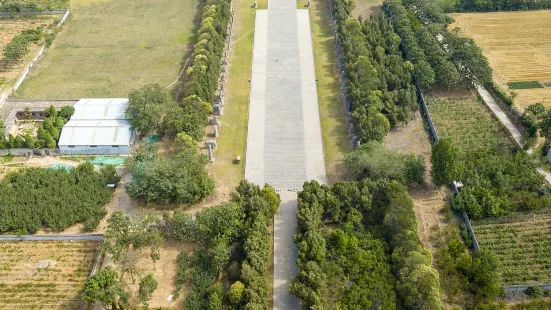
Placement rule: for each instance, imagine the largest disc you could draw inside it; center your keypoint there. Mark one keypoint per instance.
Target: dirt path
(412, 138)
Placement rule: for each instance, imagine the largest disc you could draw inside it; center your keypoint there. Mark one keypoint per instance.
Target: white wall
(100, 150)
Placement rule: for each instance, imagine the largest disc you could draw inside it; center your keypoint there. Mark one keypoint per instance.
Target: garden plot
(518, 47)
(45, 274)
(11, 26)
(522, 244)
(467, 122)
(109, 48)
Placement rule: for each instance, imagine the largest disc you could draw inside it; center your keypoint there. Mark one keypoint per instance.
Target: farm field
(44, 275)
(45, 4)
(522, 244)
(108, 48)
(461, 117)
(518, 47)
(11, 26)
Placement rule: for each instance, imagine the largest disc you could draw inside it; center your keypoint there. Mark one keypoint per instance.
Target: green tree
(49, 141)
(104, 287)
(66, 112)
(444, 162)
(181, 179)
(148, 285)
(184, 142)
(27, 112)
(18, 142)
(54, 132)
(29, 141)
(147, 107)
(47, 124)
(52, 112)
(235, 294)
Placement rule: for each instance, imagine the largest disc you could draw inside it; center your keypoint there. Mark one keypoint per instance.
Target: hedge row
(19, 45)
(202, 76)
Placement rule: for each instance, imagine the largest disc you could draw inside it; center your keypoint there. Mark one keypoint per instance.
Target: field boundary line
(56, 237)
(45, 12)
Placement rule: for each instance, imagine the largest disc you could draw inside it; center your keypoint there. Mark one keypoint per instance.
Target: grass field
(461, 117)
(11, 26)
(518, 47)
(43, 275)
(364, 8)
(522, 244)
(336, 142)
(108, 48)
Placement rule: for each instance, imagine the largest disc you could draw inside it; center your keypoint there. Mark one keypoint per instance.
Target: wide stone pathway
(284, 145)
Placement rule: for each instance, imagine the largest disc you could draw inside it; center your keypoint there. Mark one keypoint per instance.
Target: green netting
(61, 166)
(153, 138)
(104, 160)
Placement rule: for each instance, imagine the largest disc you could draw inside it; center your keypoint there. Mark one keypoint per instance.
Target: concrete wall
(99, 150)
(28, 152)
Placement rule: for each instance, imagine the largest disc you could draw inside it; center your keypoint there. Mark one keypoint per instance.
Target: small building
(98, 127)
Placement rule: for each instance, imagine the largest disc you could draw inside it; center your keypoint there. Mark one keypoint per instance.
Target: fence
(471, 231)
(343, 81)
(522, 288)
(46, 12)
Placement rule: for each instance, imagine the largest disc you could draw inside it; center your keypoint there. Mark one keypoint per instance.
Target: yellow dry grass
(518, 47)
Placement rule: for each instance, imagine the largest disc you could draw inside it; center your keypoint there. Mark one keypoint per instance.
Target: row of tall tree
(421, 24)
(500, 5)
(378, 79)
(15, 6)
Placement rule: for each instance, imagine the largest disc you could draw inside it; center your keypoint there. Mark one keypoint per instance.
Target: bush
(235, 294)
(181, 179)
(373, 160)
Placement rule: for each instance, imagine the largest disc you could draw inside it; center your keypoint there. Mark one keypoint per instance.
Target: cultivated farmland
(522, 244)
(43, 275)
(461, 117)
(108, 48)
(518, 47)
(11, 26)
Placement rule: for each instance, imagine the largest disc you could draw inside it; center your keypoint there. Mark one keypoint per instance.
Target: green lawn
(468, 123)
(233, 129)
(336, 141)
(110, 47)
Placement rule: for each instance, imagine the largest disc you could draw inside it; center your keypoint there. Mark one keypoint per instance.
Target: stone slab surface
(285, 252)
(284, 144)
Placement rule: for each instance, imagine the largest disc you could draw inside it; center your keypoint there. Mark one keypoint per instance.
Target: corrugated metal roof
(104, 108)
(98, 122)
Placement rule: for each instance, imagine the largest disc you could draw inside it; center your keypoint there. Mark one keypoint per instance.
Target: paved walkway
(284, 145)
(490, 102)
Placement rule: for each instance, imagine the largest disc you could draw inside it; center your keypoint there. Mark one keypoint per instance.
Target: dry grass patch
(45, 274)
(517, 45)
(364, 8)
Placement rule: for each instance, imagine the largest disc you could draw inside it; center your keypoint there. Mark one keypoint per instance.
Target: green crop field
(108, 48)
(468, 123)
(522, 244)
(524, 85)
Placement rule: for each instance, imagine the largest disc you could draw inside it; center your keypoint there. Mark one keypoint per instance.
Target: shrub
(235, 294)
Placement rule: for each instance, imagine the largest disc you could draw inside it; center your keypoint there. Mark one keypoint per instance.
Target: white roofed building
(98, 126)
